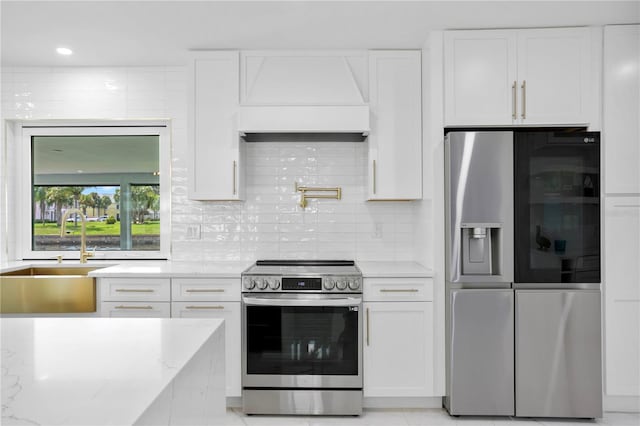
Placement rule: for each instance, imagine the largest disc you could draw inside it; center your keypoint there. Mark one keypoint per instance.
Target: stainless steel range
(302, 337)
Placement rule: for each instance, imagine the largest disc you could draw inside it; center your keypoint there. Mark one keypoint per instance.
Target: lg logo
(589, 140)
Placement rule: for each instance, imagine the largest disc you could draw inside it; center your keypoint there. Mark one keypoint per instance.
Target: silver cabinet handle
(131, 290)
(514, 104)
(374, 176)
(235, 167)
(627, 205)
(134, 307)
(203, 290)
(367, 326)
(205, 307)
(394, 290)
(524, 99)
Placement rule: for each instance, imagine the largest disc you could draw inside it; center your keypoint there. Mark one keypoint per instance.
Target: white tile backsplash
(269, 223)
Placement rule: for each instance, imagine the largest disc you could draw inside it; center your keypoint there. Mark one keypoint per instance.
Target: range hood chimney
(304, 122)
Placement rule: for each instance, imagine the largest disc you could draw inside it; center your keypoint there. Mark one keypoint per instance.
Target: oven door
(302, 341)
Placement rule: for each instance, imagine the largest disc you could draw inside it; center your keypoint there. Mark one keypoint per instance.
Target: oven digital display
(292, 283)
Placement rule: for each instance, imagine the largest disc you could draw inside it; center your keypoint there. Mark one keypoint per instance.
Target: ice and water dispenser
(481, 254)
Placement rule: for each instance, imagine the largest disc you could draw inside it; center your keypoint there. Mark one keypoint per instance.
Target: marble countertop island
(112, 371)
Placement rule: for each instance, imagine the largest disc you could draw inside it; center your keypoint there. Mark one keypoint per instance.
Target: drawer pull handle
(205, 307)
(397, 290)
(211, 290)
(134, 307)
(130, 290)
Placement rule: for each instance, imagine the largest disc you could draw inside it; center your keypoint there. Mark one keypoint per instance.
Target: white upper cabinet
(554, 71)
(303, 77)
(395, 142)
(214, 141)
(621, 139)
(519, 77)
(480, 77)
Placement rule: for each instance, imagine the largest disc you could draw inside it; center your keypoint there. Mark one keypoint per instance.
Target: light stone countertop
(95, 371)
(143, 268)
(213, 269)
(394, 270)
(172, 269)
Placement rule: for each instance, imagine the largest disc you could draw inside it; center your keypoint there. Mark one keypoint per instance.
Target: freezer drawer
(558, 353)
(480, 352)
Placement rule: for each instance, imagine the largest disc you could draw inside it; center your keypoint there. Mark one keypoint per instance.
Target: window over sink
(117, 176)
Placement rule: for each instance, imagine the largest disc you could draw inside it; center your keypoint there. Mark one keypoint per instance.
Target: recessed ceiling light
(64, 51)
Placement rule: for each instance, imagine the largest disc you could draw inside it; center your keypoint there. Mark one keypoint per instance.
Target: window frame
(24, 206)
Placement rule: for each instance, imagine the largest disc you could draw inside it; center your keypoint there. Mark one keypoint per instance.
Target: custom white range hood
(304, 119)
(293, 92)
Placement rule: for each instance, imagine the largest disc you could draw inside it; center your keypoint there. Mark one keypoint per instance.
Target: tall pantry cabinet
(621, 145)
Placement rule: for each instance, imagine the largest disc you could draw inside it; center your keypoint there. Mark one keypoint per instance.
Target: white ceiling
(132, 33)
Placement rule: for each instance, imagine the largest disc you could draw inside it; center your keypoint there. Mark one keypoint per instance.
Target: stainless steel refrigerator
(523, 274)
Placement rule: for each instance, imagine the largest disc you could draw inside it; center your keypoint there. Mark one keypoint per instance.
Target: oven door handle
(263, 301)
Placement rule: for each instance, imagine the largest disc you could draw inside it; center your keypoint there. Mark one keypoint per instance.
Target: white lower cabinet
(398, 337)
(135, 309)
(621, 287)
(135, 297)
(230, 312)
(398, 352)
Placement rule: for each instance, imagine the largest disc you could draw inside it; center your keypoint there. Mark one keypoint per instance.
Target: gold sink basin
(48, 289)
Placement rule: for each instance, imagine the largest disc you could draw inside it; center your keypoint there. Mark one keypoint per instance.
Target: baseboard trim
(626, 404)
(401, 402)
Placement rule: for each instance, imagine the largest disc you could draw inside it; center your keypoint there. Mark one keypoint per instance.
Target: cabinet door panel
(480, 70)
(623, 348)
(214, 139)
(622, 108)
(395, 142)
(555, 66)
(230, 312)
(398, 353)
(622, 295)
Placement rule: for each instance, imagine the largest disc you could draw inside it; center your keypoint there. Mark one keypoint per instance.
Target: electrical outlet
(377, 230)
(193, 232)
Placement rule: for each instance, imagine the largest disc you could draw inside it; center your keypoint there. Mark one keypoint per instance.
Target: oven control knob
(249, 284)
(274, 283)
(261, 283)
(354, 284)
(329, 284)
(342, 284)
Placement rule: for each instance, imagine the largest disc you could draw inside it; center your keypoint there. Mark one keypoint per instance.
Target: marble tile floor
(419, 417)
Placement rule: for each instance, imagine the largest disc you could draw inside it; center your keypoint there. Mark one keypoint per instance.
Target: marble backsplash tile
(270, 223)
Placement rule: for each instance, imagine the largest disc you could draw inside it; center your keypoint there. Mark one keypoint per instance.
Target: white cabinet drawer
(135, 309)
(139, 289)
(398, 289)
(186, 289)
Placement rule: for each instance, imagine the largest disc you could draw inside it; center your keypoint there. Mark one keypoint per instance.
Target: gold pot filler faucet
(84, 254)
